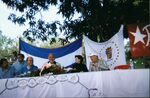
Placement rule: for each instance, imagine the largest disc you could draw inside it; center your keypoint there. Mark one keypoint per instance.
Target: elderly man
(97, 64)
(30, 67)
(51, 62)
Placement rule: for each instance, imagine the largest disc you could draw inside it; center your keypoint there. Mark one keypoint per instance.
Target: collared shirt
(29, 69)
(18, 66)
(7, 73)
(98, 66)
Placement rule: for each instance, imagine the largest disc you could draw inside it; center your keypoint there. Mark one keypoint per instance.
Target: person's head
(29, 61)
(4, 63)
(51, 58)
(94, 57)
(78, 59)
(20, 57)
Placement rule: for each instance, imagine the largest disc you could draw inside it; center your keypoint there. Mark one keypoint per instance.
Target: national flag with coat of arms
(64, 55)
(111, 51)
(139, 35)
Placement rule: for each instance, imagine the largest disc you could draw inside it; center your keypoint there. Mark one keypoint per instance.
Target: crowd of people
(21, 66)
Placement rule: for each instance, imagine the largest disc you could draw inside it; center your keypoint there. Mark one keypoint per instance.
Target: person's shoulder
(45, 63)
(24, 67)
(101, 60)
(35, 66)
(15, 63)
(24, 62)
(91, 63)
(82, 64)
(11, 67)
(0, 69)
(73, 64)
(58, 64)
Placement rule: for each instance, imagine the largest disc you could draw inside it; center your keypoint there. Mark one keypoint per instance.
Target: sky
(7, 27)
(13, 31)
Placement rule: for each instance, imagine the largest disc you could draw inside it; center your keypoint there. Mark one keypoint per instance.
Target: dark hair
(2, 60)
(21, 55)
(79, 57)
(29, 57)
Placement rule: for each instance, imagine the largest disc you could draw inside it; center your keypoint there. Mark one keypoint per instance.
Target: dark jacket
(79, 67)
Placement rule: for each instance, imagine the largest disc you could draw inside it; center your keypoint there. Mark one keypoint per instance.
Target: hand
(40, 73)
(48, 65)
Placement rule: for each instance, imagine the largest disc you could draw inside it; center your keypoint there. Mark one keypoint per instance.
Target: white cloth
(111, 51)
(116, 83)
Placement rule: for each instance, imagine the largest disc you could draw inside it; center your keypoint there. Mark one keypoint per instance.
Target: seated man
(78, 66)
(19, 64)
(30, 67)
(6, 71)
(50, 63)
(97, 64)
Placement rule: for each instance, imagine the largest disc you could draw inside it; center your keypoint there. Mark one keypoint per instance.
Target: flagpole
(19, 45)
(83, 51)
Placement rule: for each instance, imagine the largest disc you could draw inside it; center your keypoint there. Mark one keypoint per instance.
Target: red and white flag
(139, 36)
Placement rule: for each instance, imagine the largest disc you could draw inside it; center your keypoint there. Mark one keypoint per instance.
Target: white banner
(115, 83)
(111, 51)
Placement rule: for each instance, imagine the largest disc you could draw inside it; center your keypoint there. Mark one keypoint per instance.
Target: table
(115, 83)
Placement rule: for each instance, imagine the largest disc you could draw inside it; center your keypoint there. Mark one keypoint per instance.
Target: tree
(7, 46)
(100, 19)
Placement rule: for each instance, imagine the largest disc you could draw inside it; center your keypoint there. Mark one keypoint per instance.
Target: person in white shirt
(97, 64)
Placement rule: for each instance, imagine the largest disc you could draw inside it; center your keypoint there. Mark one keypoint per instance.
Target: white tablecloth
(116, 83)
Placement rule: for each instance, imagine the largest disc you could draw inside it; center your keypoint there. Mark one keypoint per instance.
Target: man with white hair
(97, 64)
(51, 62)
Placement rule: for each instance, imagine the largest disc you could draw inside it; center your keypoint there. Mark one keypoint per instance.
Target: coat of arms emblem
(109, 52)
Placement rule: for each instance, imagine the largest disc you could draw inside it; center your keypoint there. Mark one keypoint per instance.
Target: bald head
(51, 58)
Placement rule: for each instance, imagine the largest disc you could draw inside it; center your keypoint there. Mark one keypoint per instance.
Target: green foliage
(7, 46)
(138, 62)
(100, 18)
(53, 43)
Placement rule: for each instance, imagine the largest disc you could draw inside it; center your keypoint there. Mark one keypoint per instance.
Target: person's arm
(70, 66)
(58, 64)
(45, 66)
(36, 68)
(103, 65)
(13, 71)
(90, 67)
(85, 68)
(1, 74)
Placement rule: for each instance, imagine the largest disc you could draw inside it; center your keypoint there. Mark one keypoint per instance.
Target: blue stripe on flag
(43, 52)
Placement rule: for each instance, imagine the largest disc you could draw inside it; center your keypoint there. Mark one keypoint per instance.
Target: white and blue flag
(63, 55)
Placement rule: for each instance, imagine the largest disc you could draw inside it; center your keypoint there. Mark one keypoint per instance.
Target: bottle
(131, 64)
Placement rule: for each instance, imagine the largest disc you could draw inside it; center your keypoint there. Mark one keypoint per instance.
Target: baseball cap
(93, 53)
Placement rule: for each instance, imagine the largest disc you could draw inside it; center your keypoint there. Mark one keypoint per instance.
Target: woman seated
(78, 66)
